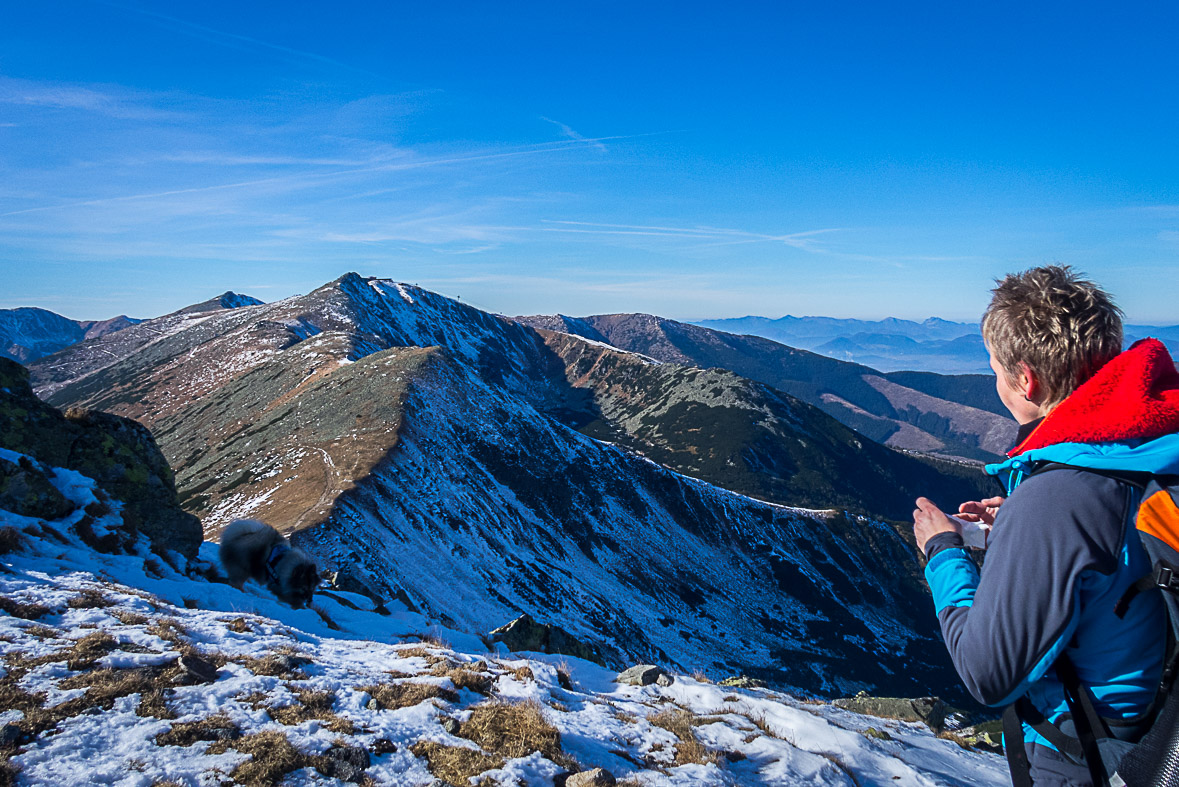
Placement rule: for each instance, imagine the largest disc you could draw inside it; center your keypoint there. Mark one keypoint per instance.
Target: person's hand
(980, 510)
(929, 520)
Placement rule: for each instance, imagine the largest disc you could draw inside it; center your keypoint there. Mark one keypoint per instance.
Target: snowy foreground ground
(90, 644)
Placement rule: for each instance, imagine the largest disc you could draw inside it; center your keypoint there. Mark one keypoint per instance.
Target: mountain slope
(120, 669)
(744, 436)
(843, 390)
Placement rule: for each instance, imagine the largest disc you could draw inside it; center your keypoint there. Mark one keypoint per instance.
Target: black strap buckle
(1166, 578)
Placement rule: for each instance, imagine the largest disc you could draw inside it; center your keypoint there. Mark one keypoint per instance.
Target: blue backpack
(1141, 752)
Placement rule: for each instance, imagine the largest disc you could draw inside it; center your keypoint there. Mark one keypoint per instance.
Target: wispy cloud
(723, 236)
(110, 101)
(301, 180)
(234, 40)
(571, 134)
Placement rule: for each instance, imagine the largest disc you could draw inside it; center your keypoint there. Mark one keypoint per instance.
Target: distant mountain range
(28, 334)
(934, 345)
(481, 468)
(957, 416)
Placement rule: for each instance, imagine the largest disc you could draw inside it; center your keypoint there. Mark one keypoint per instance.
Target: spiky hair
(1062, 326)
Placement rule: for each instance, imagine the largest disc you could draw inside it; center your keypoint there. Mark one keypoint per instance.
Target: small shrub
(946, 735)
(414, 652)
(154, 702)
(564, 675)
(98, 509)
(272, 666)
(104, 686)
(523, 674)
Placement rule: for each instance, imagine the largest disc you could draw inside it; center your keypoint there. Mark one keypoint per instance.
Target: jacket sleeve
(1006, 626)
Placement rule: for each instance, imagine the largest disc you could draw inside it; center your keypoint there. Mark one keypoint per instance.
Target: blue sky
(693, 160)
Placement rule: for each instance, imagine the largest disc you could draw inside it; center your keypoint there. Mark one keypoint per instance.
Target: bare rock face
(525, 634)
(598, 777)
(642, 675)
(25, 490)
(118, 453)
(929, 710)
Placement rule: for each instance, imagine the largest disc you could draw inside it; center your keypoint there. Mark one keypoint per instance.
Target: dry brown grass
(42, 632)
(391, 696)
(564, 675)
(415, 652)
(946, 735)
(515, 729)
(128, 618)
(214, 728)
(89, 649)
(256, 700)
(465, 677)
(523, 674)
(11, 539)
(22, 610)
(682, 724)
(170, 630)
(397, 674)
(272, 757)
(88, 598)
(312, 705)
(271, 666)
(104, 686)
(455, 765)
(700, 677)
(239, 626)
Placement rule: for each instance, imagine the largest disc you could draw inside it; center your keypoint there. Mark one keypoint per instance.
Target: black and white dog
(254, 550)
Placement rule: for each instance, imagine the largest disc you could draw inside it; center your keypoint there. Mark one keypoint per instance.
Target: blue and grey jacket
(1059, 558)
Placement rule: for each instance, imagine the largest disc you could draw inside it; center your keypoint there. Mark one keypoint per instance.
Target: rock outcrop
(118, 453)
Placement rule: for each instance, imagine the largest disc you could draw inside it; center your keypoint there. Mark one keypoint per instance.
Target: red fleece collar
(1136, 395)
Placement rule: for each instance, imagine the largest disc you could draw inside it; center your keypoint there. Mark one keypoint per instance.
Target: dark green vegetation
(856, 395)
(732, 432)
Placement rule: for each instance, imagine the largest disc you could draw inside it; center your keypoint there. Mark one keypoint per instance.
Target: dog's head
(297, 577)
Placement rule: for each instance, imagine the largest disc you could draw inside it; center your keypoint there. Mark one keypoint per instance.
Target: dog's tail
(242, 527)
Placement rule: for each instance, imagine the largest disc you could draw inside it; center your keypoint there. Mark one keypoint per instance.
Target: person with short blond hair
(1059, 555)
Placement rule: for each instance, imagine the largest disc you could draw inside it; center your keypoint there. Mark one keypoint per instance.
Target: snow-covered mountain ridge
(432, 448)
(118, 668)
(27, 334)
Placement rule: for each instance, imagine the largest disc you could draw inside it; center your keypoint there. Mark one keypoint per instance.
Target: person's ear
(1029, 383)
